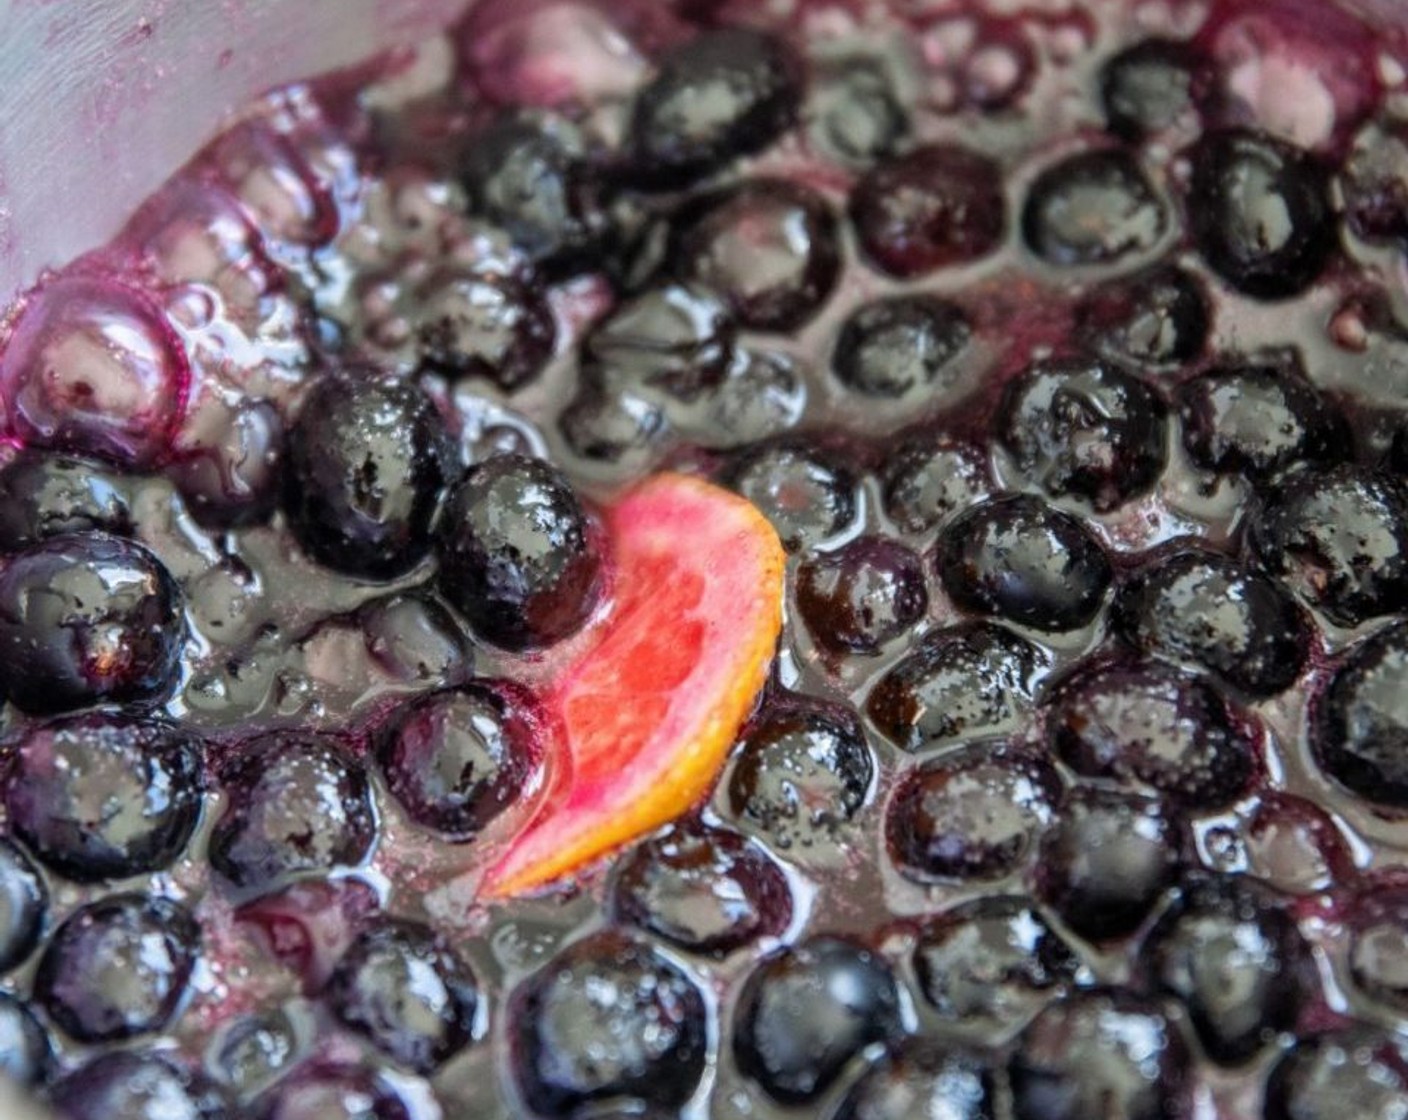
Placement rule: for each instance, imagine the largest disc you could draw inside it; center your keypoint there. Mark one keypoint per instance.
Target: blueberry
(484, 326)
(807, 494)
(991, 964)
(1357, 1071)
(1206, 609)
(1107, 862)
(717, 97)
(965, 682)
(704, 889)
(807, 1011)
(1019, 560)
(974, 814)
(24, 905)
(253, 1050)
(1101, 1053)
(25, 1049)
(929, 479)
(133, 1085)
(931, 208)
(516, 555)
(1159, 319)
(901, 347)
(1084, 429)
(294, 804)
(1171, 731)
(118, 968)
(1339, 538)
(768, 248)
(456, 760)
(406, 991)
(367, 460)
(763, 394)
(1235, 959)
(923, 1080)
(854, 113)
(1094, 208)
(1378, 939)
(1359, 725)
(676, 339)
(105, 796)
(330, 1090)
(608, 1018)
(87, 618)
(613, 425)
(1148, 87)
(44, 496)
(1257, 419)
(1374, 182)
(232, 478)
(860, 597)
(803, 769)
(1259, 212)
(414, 638)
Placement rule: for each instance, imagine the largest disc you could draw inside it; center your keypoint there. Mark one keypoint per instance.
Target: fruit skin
(806, 1011)
(607, 1018)
(105, 796)
(484, 326)
(862, 596)
(1159, 319)
(1093, 208)
(932, 478)
(366, 462)
(25, 1047)
(1359, 726)
(118, 968)
(24, 904)
(87, 618)
(44, 496)
(1357, 1071)
(900, 346)
(1259, 212)
(721, 95)
(328, 1089)
(807, 493)
(1147, 87)
(922, 1079)
(517, 554)
(136, 1085)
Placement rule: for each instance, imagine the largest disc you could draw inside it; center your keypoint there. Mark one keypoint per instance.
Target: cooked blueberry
(803, 769)
(413, 638)
(294, 803)
(608, 1018)
(1159, 319)
(1235, 959)
(405, 990)
(516, 554)
(1375, 184)
(1259, 212)
(105, 796)
(456, 760)
(118, 968)
(863, 595)
(1359, 726)
(807, 1011)
(24, 1044)
(1206, 609)
(1092, 208)
(768, 248)
(1106, 863)
(45, 495)
(132, 1085)
(675, 338)
(328, 1090)
(1358, 1071)
(87, 618)
(484, 326)
(532, 178)
(1101, 1053)
(1256, 419)
(854, 113)
(901, 346)
(722, 95)
(1378, 943)
(254, 1049)
(1084, 429)
(922, 1080)
(24, 903)
(928, 209)
(705, 889)
(989, 965)
(808, 495)
(1168, 730)
(1024, 562)
(967, 682)
(1148, 87)
(613, 425)
(367, 460)
(1339, 538)
(762, 395)
(931, 479)
(232, 479)
(975, 814)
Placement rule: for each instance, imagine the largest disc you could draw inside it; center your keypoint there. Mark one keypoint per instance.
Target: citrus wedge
(650, 707)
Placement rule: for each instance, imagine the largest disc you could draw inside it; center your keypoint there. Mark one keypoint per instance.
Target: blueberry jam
(693, 560)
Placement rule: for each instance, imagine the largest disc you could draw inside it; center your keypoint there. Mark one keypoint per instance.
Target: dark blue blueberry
(672, 341)
(25, 1048)
(1148, 87)
(132, 1085)
(901, 347)
(233, 478)
(1359, 725)
(484, 326)
(930, 479)
(24, 905)
(45, 495)
(807, 494)
(1159, 319)
(329, 1090)
(1094, 208)
(862, 596)
(923, 1080)
(1358, 1071)
(854, 113)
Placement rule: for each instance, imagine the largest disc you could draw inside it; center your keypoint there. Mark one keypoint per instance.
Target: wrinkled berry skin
(1359, 725)
(87, 618)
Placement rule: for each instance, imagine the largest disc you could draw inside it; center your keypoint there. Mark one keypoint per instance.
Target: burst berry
(862, 596)
(901, 347)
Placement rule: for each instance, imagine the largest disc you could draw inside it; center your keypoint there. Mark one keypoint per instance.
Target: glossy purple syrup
(1066, 347)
